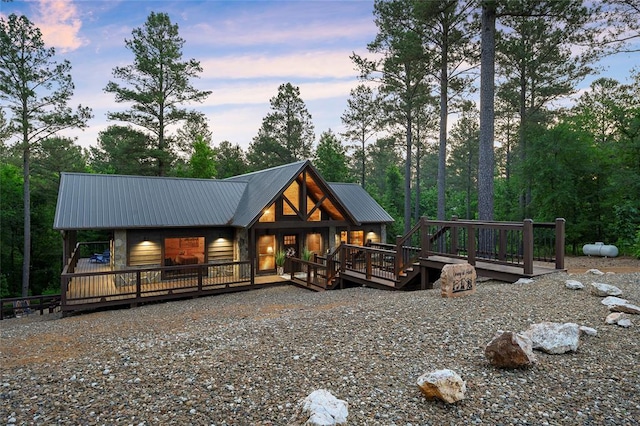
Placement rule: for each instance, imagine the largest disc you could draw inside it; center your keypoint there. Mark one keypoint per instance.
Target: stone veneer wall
(119, 255)
(383, 233)
(242, 243)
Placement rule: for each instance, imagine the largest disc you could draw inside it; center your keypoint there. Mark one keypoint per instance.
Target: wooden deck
(94, 285)
(491, 269)
(509, 251)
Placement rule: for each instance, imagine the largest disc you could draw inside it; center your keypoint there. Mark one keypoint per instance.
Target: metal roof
(93, 201)
(361, 205)
(263, 187)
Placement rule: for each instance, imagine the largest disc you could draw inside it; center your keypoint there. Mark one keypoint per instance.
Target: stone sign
(458, 280)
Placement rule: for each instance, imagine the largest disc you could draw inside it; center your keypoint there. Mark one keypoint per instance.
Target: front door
(290, 246)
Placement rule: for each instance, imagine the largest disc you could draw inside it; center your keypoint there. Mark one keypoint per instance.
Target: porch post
(560, 236)
(252, 254)
(471, 244)
(527, 240)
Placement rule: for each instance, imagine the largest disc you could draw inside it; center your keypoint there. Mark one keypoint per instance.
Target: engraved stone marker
(458, 280)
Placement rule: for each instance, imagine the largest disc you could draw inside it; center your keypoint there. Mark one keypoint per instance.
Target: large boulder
(553, 337)
(457, 280)
(445, 385)
(321, 408)
(603, 290)
(510, 350)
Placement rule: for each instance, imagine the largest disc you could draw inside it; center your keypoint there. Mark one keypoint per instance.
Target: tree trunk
(416, 208)
(26, 259)
(407, 178)
(487, 111)
(442, 149)
(364, 139)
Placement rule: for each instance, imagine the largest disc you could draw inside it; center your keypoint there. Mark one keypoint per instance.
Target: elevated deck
(509, 251)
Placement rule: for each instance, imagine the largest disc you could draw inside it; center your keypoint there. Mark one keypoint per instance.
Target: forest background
(548, 155)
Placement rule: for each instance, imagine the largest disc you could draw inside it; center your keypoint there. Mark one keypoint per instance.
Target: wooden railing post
(471, 244)
(397, 265)
(527, 240)
(64, 285)
(502, 245)
(367, 256)
(138, 287)
(454, 236)
(343, 257)
(200, 278)
(560, 236)
(424, 242)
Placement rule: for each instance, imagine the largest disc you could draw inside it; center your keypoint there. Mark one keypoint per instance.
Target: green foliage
(123, 150)
(281, 257)
(4, 287)
(286, 134)
(307, 254)
(230, 160)
(157, 84)
(331, 159)
(635, 249)
(362, 119)
(35, 90)
(625, 227)
(202, 163)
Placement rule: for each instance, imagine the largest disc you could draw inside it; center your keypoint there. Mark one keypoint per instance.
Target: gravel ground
(247, 358)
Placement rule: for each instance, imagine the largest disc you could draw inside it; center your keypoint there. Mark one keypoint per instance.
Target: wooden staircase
(505, 251)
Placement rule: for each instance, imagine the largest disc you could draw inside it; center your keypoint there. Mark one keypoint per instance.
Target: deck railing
(319, 272)
(371, 261)
(508, 243)
(17, 306)
(145, 284)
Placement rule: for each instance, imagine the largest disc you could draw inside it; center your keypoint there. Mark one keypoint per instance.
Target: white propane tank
(600, 249)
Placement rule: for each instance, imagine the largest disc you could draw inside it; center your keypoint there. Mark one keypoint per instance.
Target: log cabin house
(172, 224)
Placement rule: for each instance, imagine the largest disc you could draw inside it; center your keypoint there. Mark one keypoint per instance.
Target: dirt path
(580, 264)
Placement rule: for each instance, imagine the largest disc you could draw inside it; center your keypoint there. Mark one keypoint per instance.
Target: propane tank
(600, 249)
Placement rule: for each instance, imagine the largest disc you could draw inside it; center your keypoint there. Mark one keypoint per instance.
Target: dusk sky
(247, 49)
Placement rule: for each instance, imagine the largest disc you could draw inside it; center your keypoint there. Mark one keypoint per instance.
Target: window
(314, 243)
(316, 216)
(291, 200)
(269, 215)
(184, 251)
(355, 237)
(266, 252)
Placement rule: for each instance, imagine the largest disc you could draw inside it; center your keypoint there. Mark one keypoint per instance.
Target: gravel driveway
(247, 358)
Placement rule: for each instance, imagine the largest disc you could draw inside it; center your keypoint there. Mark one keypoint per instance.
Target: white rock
(553, 337)
(626, 308)
(595, 272)
(625, 322)
(445, 385)
(613, 318)
(588, 330)
(573, 285)
(612, 300)
(524, 281)
(321, 408)
(602, 289)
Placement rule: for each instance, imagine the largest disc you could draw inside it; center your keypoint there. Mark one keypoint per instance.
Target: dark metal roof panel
(361, 205)
(262, 189)
(92, 201)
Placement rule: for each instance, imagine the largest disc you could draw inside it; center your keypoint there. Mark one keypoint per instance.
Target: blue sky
(247, 49)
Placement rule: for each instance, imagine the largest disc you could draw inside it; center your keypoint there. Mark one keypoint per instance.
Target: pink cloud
(60, 24)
